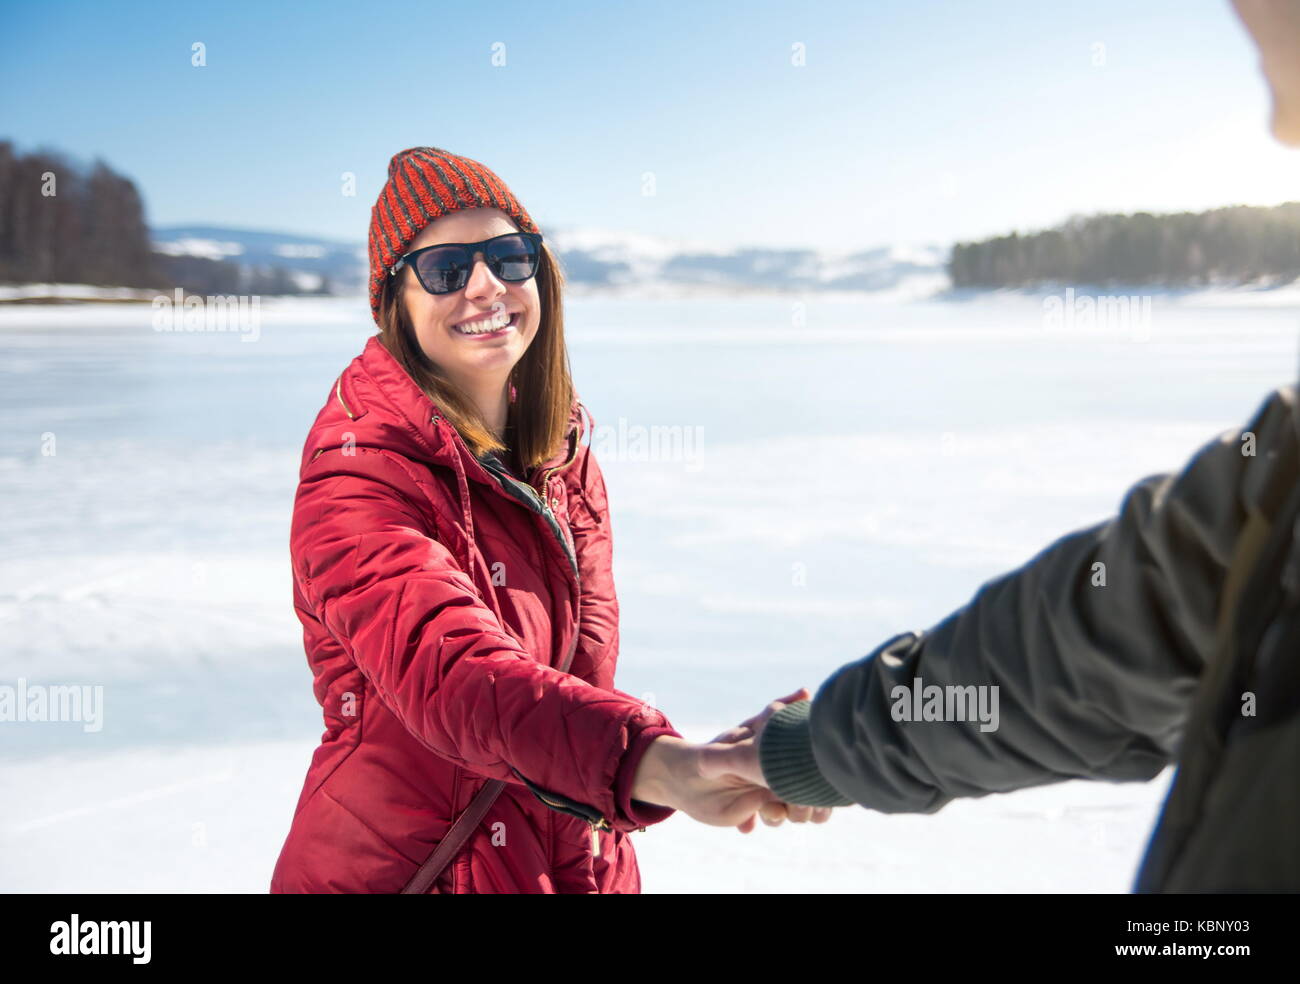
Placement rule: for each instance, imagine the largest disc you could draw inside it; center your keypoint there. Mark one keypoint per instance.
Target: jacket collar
(426, 425)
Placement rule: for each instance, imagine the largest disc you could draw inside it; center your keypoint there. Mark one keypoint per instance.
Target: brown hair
(540, 415)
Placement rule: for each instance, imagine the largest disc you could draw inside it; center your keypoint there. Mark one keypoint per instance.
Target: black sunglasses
(445, 268)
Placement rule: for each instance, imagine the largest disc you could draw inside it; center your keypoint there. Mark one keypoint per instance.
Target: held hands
(735, 753)
(720, 782)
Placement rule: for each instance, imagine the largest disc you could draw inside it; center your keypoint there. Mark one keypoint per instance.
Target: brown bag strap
(456, 836)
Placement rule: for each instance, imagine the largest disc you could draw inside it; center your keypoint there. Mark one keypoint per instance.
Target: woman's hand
(669, 775)
(720, 782)
(735, 753)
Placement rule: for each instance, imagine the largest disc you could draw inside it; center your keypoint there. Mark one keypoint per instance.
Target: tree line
(60, 224)
(1236, 245)
(68, 224)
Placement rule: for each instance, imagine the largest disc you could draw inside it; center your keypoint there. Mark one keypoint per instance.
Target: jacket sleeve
(414, 623)
(597, 653)
(1095, 648)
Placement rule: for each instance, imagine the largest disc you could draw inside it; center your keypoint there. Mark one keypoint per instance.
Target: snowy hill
(612, 259)
(304, 256)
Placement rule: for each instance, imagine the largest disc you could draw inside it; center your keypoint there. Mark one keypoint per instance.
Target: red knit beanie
(424, 184)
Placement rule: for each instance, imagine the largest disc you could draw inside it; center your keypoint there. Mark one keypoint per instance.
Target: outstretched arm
(413, 622)
(1096, 646)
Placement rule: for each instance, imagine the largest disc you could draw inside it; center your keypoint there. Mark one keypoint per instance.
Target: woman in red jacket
(451, 561)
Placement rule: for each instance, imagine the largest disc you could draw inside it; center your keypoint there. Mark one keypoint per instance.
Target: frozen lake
(844, 469)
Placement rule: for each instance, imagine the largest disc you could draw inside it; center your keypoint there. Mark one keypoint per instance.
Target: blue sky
(909, 122)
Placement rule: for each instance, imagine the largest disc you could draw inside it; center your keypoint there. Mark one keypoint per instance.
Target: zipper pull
(595, 839)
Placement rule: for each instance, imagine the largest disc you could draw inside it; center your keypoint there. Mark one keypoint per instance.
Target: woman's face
(473, 361)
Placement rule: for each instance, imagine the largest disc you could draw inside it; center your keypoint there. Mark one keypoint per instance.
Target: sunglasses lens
(513, 258)
(443, 270)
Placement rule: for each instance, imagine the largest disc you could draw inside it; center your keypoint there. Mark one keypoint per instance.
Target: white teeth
(494, 323)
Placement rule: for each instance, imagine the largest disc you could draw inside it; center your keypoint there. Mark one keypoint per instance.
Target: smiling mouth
(488, 327)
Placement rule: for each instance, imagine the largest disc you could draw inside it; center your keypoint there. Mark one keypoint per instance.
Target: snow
(861, 467)
(208, 249)
(300, 250)
(619, 243)
(307, 281)
(211, 818)
(73, 292)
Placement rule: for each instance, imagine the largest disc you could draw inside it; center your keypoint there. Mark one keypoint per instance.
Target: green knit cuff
(786, 755)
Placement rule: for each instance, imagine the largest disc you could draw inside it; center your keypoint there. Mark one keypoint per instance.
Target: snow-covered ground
(828, 471)
(72, 292)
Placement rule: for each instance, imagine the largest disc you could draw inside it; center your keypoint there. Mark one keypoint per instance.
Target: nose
(482, 282)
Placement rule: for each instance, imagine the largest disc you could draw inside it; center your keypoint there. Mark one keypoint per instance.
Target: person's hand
(735, 753)
(669, 774)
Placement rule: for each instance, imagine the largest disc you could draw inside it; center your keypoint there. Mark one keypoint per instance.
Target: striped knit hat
(424, 184)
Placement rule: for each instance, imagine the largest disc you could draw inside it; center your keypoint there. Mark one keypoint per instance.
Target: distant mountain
(306, 259)
(593, 259)
(613, 259)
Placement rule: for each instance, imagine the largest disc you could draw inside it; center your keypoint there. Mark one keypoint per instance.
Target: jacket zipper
(539, 498)
(338, 391)
(595, 825)
(572, 807)
(546, 479)
(602, 823)
(527, 492)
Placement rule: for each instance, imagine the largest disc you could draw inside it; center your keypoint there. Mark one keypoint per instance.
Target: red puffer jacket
(437, 597)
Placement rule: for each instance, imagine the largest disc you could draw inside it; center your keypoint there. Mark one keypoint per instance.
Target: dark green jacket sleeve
(1095, 646)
